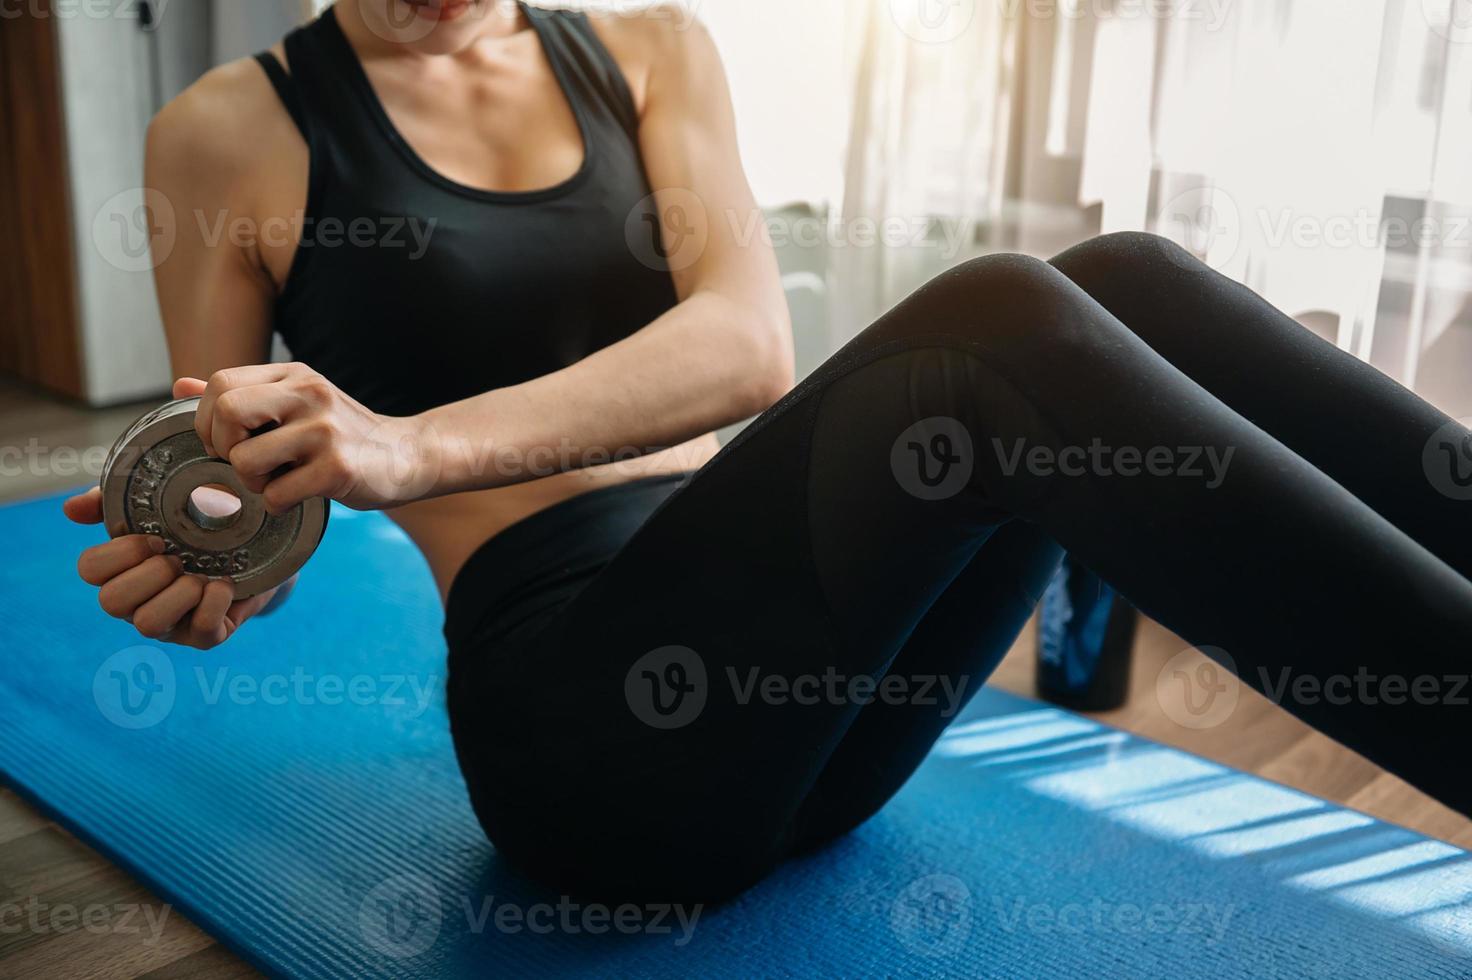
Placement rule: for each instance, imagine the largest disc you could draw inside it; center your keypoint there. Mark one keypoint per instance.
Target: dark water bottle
(1086, 632)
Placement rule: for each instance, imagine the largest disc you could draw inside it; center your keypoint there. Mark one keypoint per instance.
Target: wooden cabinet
(39, 338)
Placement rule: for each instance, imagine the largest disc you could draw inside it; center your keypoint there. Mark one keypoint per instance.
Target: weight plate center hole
(214, 507)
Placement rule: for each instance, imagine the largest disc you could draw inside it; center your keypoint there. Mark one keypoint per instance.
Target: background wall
(114, 77)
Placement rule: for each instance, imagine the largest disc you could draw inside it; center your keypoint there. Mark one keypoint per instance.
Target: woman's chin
(444, 12)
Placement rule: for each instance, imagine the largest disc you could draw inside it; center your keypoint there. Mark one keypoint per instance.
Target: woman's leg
(1344, 417)
(677, 725)
(1351, 421)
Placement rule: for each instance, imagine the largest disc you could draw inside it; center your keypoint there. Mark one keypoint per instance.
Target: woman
(663, 684)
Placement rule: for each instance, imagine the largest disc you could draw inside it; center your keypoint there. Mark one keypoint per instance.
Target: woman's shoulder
(230, 118)
(644, 39)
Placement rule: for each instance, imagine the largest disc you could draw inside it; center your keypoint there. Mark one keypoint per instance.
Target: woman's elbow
(769, 370)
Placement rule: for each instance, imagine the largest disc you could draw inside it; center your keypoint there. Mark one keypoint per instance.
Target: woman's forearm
(709, 362)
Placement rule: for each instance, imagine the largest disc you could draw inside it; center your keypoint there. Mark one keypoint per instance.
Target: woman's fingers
(228, 380)
(122, 596)
(245, 609)
(323, 477)
(101, 563)
(209, 624)
(241, 411)
(258, 457)
(84, 508)
(158, 617)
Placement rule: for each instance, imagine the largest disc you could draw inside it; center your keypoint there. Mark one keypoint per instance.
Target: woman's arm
(215, 297)
(722, 355)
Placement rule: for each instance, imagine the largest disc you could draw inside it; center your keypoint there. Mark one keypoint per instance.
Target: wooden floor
(46, 871)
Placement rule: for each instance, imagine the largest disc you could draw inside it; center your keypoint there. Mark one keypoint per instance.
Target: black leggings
(667, 707)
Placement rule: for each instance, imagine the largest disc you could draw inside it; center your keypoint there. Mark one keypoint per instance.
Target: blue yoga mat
(295, 794)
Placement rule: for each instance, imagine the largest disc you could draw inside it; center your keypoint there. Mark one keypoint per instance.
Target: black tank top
(410, 290)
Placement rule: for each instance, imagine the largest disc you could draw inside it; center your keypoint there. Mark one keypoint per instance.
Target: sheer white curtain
(1319, 151)
(927, 148)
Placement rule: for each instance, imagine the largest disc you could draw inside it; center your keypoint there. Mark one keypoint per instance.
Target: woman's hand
(139, 583)
(292, 435)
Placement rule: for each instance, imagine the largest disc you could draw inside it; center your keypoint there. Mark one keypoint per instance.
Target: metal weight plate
(147, 485)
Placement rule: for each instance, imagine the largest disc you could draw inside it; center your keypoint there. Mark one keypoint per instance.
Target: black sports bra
(410, 290)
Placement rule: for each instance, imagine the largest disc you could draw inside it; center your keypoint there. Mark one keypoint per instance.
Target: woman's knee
(1126, 257)
(991, 300)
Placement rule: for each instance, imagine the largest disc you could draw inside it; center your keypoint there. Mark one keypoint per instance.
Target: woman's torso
(465, 289)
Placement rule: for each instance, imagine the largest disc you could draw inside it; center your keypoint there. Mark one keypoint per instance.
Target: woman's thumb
(189, 388)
